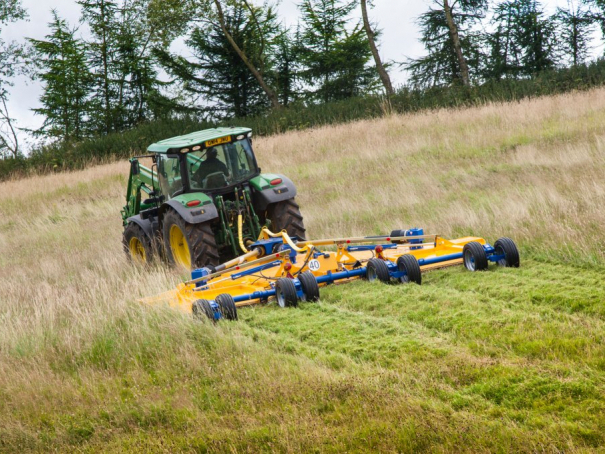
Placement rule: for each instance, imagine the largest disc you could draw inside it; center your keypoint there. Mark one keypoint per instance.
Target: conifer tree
(10, 58)
(335, 59)
(576, 24)
(453, 44)
(62, 67)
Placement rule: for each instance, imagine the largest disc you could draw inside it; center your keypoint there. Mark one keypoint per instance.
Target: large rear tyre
(285, 292)
(137, 245)
(226, 303)
(310, 289)
(474, 256)
(286, 216)
(507, 247)
(378, 270)
(189, 245)
(409, 264)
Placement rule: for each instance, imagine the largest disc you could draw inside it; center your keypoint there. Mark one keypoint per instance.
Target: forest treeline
(113, 83)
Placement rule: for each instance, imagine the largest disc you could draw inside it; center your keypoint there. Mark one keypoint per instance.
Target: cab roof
(194, 138)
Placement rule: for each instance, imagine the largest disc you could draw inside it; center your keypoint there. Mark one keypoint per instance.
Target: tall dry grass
(532, 170)
(71, 335)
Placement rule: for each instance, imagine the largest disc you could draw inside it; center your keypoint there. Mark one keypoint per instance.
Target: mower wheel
(474, 256)
(202, 308)
(137, 245)
(189, 245)
(285, 292)
(378, 270)
(508, 248)
(310, 289)
(286, 216)
(226, 303)
(409, 264)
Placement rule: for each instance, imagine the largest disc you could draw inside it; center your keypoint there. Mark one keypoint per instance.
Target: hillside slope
(510, 359)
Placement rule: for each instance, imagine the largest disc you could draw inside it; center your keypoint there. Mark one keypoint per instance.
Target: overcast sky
(396, 19)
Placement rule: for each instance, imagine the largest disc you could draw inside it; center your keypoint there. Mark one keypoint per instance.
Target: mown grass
(510, 360)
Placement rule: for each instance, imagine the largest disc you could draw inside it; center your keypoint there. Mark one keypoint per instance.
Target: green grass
(507, 360)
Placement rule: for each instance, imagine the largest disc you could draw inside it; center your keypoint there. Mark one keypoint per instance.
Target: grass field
(506, 360)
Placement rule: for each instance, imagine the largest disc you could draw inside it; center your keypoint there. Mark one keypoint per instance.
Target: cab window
(169, 172)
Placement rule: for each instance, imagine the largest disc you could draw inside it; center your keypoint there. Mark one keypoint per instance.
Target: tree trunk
(384, 75)
(456, 42)
(269, 92)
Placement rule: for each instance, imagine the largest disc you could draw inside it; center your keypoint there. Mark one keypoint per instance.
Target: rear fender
(265, 194)
(191, 215)
(146, 224)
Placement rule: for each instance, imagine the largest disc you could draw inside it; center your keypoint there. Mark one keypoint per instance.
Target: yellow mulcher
(288, 270)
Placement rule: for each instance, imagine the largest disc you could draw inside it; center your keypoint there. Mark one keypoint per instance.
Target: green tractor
(204, 200)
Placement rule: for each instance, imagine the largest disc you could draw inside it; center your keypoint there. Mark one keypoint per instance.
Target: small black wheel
(309, 286)
(410, 266)
(201, 309)
(377, 269)
(285, 292)
(508, 248)
(226, 303)
(475, 258)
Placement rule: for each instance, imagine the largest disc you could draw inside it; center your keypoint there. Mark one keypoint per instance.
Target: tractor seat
(215, 180)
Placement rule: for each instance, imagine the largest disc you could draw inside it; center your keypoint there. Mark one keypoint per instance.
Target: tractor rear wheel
(189, 245)
(137, 245)
(286, 216)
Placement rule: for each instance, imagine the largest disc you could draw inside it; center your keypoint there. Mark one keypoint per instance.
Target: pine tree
(576, 24)
(127, 89)
(335, 60)
(10, 58)
(219, 79)
(453, 44)
(62, 67)
(525, 41)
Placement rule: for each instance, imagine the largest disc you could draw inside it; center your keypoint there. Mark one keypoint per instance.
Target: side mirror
(134, 167)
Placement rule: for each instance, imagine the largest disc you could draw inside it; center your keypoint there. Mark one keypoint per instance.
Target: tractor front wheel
(137, 245)
(189, 245)
(286, 216)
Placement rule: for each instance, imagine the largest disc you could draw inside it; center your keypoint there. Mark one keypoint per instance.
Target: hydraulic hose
(239, 233)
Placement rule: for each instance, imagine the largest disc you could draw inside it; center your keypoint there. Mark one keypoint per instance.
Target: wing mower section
(289, 270)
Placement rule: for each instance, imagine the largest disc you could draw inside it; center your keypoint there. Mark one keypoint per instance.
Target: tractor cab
(213, 166)
(204, 199)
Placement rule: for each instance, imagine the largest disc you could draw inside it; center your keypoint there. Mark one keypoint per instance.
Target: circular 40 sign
(314, 265)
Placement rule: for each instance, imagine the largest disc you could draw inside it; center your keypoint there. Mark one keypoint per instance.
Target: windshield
(221, 165)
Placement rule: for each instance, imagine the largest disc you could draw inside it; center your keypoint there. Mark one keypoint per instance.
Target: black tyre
(474, 256)
(286, 216)
(309, 286)
(285, 292)
(227, 306)
(137, 245)
(202, 309)
(189, 245)
(377, 270)
(508, 248)
(409, 264)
